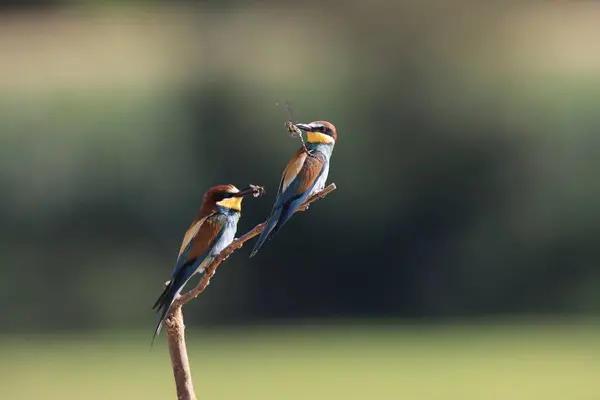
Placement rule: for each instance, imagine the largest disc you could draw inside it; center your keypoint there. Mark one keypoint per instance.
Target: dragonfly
(291, 127)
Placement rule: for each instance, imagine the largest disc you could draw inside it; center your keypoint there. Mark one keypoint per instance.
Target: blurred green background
(457, 259)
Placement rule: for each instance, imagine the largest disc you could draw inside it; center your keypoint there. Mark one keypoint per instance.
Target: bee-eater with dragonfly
(305, 174)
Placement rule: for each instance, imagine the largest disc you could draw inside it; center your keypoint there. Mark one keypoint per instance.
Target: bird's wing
(198, 241)
(292, 170)
(190, 233)
(310, 173)
(300, 176)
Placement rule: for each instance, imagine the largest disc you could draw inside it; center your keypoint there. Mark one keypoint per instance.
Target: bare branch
(179, 357)
(174, 320)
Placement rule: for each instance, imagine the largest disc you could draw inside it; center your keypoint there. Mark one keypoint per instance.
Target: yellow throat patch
(233, 203)
(318, 137)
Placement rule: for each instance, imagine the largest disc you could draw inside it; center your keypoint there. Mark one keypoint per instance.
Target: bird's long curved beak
(305, 127)
(251, 189)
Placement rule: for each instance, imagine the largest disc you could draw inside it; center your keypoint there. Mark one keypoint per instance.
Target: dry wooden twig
(178, 352)
(174, 322)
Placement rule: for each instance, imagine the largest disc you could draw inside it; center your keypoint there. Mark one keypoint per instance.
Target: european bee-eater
(305, 174)
(213, 229)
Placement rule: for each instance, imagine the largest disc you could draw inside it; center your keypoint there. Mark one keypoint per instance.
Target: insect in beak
(254, 190)
(292, 129)
(304, 127)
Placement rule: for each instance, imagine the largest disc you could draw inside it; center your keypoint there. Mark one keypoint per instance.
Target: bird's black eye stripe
(222, 195)
(325, 129)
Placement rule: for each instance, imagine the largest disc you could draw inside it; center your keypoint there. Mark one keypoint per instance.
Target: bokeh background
(458, 258)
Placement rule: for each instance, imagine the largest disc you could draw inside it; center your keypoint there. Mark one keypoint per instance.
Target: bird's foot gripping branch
(174, 321)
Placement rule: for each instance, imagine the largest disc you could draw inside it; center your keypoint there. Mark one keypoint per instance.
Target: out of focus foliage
(466, 163)
(350, 362)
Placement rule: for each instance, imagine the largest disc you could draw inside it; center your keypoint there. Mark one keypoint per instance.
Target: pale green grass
(492, 363)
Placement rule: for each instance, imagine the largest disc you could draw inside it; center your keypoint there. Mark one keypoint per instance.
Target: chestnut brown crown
(325, 127)
(227, 197)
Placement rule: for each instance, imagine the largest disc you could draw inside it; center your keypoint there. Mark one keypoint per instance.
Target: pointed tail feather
(266, 233)
(284, 216)
(162, 306)
(165, 300)
(161, 298)
(159, 325)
